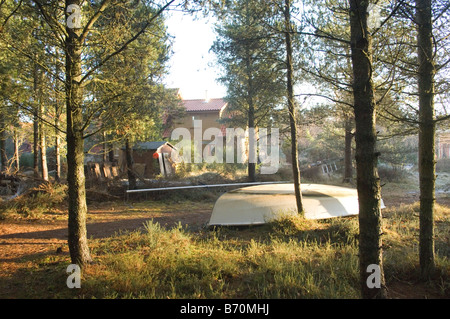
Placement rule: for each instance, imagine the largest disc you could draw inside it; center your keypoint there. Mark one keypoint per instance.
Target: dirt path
(21, 241)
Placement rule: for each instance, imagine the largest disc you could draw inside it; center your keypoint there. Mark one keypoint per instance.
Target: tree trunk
(36, 145)
(111, 153)
(251, 125)
(252, 146)
(42, 141)
(368, 182)
(16, 151)
(17, 142)
(105, 148)
(42, 145)
(78, 246)
(291, 108)
(348, 171)
(57, 152)
(251, 168)
(3, 155)
(43, 153)
(57, 123)
(129, 158)
(427, 129)
(36, 121)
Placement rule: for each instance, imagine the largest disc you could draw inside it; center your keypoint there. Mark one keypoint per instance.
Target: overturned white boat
(262, 203)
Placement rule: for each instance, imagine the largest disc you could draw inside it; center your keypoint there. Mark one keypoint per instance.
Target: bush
(36, 201)
(443, 165)
(26, 160)
(391, 174)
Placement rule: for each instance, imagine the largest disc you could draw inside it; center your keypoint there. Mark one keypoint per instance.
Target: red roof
(202, 105)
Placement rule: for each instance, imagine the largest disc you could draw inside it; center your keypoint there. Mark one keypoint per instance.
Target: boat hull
(263, 203)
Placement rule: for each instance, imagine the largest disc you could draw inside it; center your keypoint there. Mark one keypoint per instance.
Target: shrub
(35, 202)
(443, 165)
(391, 174)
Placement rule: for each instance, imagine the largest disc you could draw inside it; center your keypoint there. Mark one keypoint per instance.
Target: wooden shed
(150, 159)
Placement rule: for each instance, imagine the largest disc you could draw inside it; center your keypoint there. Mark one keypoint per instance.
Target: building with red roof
(208, 111)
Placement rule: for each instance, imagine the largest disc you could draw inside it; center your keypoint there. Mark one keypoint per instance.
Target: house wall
(443, 145)
(209, 119)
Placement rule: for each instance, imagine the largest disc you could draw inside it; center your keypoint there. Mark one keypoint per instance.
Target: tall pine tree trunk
(57, 122)
(36, 120)
(43, 153)
(251, 122)
(368, 182)
(78, 246)
(348, 171)
(3, 156)
(16, 151)
(291, 107)
(57, 151)
(130, 172)
(42, 143)
(427, 127)
(17, 142)
(252, 146)
(105, 148)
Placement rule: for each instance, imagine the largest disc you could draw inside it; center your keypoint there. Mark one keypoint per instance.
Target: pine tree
(74, 39)
(368, 182)
(249, 57)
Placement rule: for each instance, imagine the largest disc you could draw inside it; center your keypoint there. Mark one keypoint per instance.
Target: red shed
(150, 159)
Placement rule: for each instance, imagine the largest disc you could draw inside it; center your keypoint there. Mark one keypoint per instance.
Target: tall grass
(287, 258)
(401, 243)
(159, 263)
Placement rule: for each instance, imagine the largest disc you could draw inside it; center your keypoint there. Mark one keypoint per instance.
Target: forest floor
(22, 240)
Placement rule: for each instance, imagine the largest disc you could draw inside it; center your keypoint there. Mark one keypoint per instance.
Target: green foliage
(35, 202)
(249, 56)
(398, 150)
(123, 90)
(26, 160)
(321, 143)
(128, 94)
(391, 174)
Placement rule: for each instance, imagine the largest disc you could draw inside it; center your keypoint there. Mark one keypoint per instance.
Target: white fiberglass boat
(263, 203)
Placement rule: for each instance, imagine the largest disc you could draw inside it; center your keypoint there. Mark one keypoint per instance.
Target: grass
(159, 263)
(401, 243)
(287, 258)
